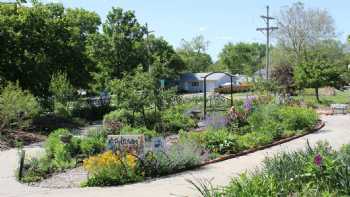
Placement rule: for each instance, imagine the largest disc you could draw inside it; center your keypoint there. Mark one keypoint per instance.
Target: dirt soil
(11, 139)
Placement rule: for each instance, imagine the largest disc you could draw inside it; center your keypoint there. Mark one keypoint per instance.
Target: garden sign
(126, 143)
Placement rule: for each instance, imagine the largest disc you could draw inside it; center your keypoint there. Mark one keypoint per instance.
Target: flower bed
(318, 171)
(109, 168)
(249, 126)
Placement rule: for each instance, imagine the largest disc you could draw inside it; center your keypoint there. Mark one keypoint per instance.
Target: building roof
(261, 73)
(199, 76)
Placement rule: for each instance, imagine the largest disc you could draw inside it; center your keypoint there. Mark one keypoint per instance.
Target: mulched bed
(72, 178)
(11, 138)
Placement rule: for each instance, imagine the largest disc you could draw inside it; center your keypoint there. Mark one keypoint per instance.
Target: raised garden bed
(320, 124)
(50, 182)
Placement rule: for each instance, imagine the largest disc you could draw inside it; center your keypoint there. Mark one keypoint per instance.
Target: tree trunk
(317, 95)
(144, 115)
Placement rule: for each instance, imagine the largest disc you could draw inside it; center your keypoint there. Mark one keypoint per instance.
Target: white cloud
(204, 28)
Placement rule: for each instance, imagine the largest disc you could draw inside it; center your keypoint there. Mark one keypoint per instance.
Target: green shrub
(17, 107)
(110, 169)
(62, 92)
(261, 115)
(192, 137)
(318, 171)
(178, 157)
(217, 141)
(61, 154)
(94, 143)
(221, 141)
(276, 119)
(297, 118)
(174, 119)
(140, 130)
(35, 170)
(115, 120)
(254, 139)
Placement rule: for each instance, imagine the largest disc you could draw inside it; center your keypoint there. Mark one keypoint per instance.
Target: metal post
(231, 92)
(21, 163)
(205, 97)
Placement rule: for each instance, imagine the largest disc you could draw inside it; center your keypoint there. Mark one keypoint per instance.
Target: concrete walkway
(336, 132)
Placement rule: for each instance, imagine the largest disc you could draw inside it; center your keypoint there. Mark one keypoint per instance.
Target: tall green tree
(164, 61)
(324, 67)
(119, 48)
(242, 58)
(194, 55)
(302, 28)
(43, 39)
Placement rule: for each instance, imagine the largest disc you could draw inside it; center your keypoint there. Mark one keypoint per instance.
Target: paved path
(337, 132)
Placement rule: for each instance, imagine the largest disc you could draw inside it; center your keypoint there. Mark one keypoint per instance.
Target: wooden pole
(231, 92)
(205, 97)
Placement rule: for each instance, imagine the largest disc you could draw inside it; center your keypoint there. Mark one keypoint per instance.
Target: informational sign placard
(162, 83)
(126, 143)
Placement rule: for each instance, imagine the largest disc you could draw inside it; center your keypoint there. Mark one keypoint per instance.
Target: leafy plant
(61, 154)
(17, 107)
(140, 130)
(115, 120)
(221, 141)
(62, 92)
(177, 157)
(94, 142)
(316, 171)
(109, 169)
(174, 119)
(35, 170)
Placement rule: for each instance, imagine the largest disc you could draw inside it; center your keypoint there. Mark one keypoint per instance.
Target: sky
(219, 21)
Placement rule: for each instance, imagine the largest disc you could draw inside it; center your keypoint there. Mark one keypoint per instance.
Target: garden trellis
(205, 89)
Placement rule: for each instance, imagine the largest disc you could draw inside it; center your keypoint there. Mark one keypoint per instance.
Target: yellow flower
(109, 160)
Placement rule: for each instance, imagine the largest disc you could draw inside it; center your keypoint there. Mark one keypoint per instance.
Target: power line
(268, 31)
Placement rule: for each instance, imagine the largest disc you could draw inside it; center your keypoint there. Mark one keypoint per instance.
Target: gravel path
(69, 179)
(336, 132)
(84, 130)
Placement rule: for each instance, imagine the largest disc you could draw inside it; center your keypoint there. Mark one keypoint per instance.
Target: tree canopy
(300, 29)
(242, 58)
(325, 66)
(43, 39)
(194, 55)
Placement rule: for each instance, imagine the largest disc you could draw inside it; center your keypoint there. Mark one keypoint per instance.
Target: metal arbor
(205, 89)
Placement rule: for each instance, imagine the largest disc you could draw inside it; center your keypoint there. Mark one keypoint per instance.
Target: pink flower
(318, 160)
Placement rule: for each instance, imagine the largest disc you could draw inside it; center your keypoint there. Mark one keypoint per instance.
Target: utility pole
(268, 29)
(148, 49)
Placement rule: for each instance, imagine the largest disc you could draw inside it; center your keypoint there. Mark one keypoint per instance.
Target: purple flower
(248, 103)
(215, 120)
(318, 160)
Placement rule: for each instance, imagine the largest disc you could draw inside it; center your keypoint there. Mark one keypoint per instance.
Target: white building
(194, 82)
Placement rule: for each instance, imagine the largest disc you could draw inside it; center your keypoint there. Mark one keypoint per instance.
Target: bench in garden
(339, 108)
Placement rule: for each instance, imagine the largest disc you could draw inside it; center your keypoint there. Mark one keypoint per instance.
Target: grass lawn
(239, 95)
(341, 97)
